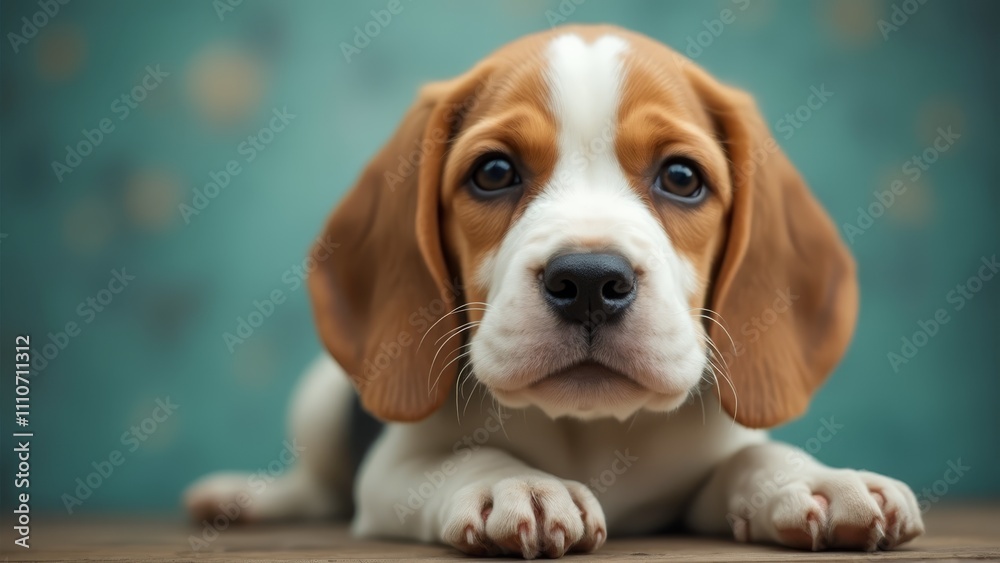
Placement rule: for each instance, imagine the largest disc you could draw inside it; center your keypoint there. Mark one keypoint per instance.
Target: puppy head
(589, 224)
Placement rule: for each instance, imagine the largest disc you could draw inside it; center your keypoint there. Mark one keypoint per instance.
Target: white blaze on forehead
(584, 82)
(584, 86)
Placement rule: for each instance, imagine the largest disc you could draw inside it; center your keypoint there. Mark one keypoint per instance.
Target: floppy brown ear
(381, 282)
(785, 286)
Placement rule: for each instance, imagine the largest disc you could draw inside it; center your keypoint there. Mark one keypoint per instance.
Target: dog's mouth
(588, 385)
(589, 389)
(587, 372)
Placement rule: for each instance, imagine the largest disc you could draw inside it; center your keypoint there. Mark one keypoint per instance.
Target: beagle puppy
(577, 283)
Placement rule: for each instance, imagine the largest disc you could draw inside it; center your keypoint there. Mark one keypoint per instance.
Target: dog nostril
(562, 289)
(616, 289)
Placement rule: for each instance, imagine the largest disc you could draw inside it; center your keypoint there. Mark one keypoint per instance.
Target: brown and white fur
(505, 421)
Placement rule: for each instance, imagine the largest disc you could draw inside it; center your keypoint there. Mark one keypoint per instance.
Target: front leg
(483, 502)
(775, 493)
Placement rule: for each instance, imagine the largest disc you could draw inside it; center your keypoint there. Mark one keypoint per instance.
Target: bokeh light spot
(226, 84)
(62, 51)
(151, 199)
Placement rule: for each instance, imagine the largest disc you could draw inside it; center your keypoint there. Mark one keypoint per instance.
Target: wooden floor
(955, 532)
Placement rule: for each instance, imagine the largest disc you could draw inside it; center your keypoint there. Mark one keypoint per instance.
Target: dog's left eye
(494, 173)
(680, 180)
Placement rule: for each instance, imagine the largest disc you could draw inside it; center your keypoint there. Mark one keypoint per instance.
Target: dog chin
(588, 391)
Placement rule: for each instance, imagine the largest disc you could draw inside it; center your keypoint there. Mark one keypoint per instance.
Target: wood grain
(955, 532)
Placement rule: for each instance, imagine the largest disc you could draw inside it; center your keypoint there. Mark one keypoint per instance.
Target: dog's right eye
(494, 173)
(680, 180)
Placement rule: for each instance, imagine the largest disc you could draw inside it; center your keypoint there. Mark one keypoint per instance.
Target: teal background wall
(161, 336)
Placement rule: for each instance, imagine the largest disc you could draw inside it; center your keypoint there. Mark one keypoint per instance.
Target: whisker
(711, 342)
(724, 369)
(701, 399)
(455, 359)
(710, 318)
(722, 326)
(708, 339)
(714, 382)
(457, 329)
(717, 354)
(458, 388)
(483, 397)
(475, 385)
(434, 360)
(712, 361)
(475, 382)
(736, 398)
(498, 408)
(631, 424)
(460, 309)
(483, 303)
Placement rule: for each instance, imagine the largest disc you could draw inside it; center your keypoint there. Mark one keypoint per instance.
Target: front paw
(527, 516)
(829, 509)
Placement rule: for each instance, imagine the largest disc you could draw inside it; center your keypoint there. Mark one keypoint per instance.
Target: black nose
(589, 288)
